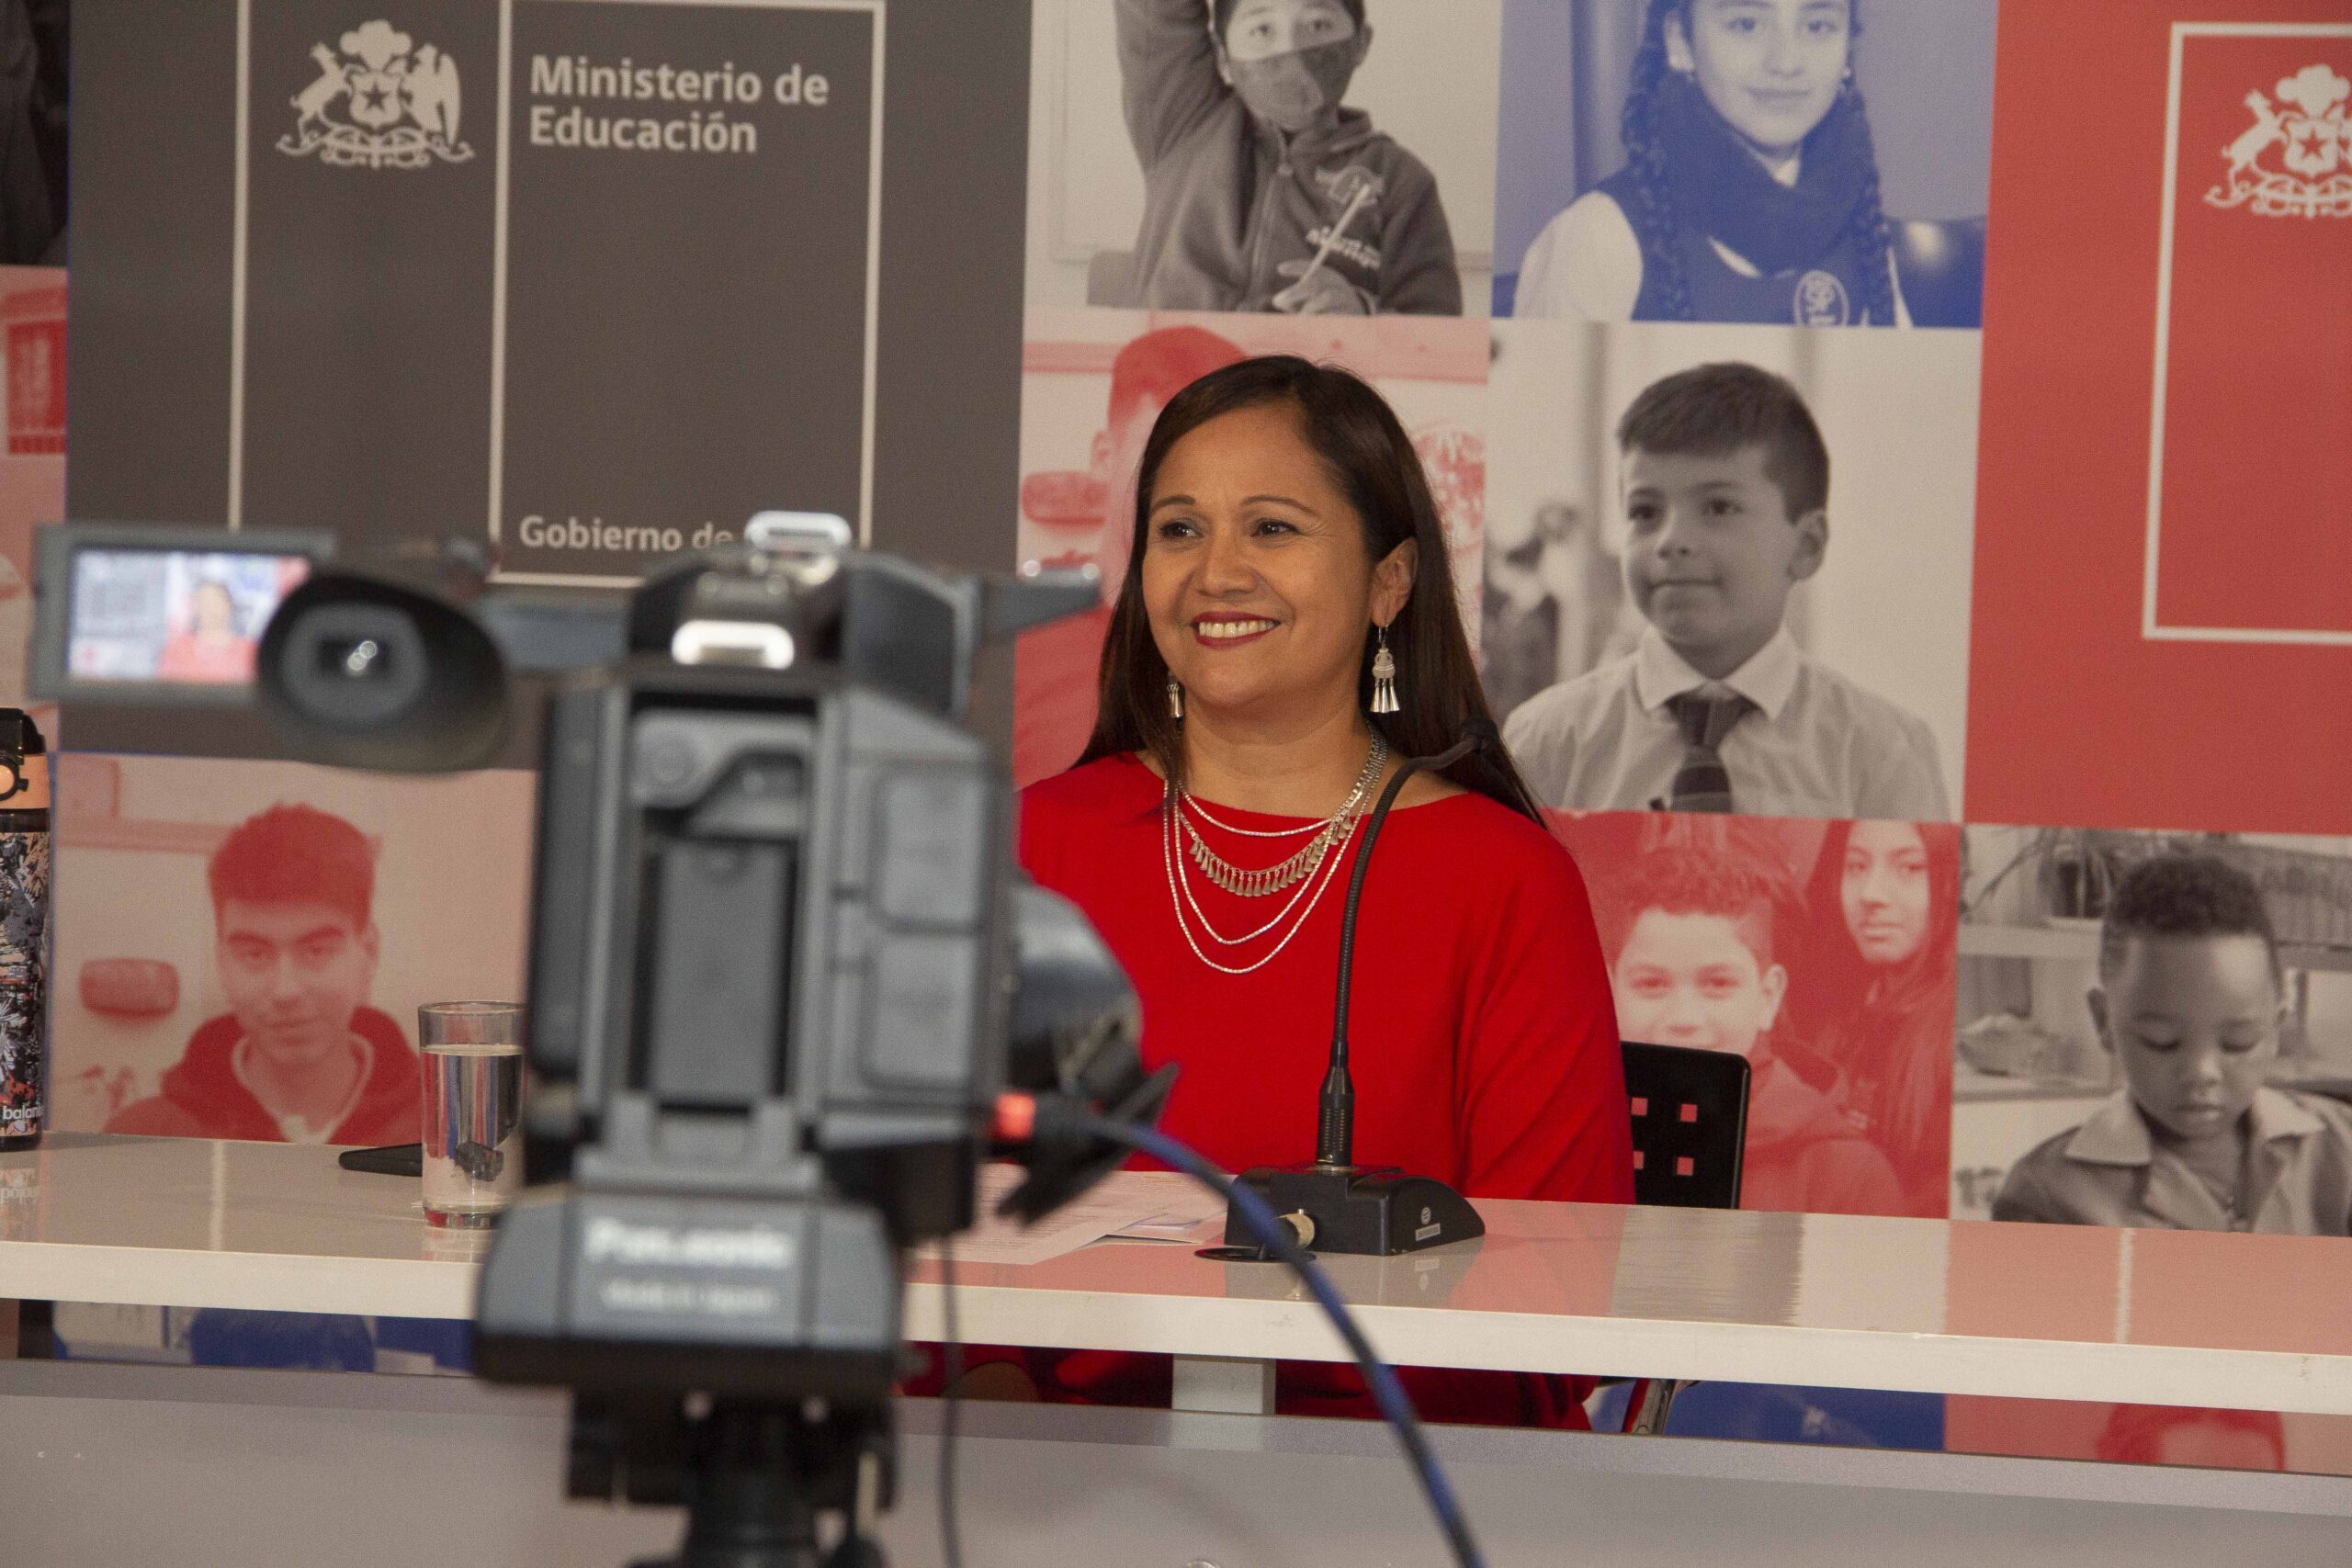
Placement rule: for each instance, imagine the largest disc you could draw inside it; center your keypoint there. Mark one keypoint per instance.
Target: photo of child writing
(1264, 190)
(2190, 997)
(2154, 1030)
(1712, 946)
(1724, 487)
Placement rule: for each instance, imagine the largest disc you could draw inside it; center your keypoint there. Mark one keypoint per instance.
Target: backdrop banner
(592, 301)
(588, 282)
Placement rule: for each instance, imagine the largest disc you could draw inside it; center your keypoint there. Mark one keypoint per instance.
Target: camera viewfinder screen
(182, 617)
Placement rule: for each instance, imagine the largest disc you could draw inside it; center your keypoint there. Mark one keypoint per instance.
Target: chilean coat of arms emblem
(380, 101)
(2295, 160)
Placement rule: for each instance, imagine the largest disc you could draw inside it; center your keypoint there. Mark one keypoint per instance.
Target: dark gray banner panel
(589, 281)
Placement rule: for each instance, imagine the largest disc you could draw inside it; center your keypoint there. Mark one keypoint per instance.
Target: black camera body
(795, 885)
(781, 964)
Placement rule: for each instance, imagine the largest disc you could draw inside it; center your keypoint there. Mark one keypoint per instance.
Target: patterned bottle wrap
(24, 953)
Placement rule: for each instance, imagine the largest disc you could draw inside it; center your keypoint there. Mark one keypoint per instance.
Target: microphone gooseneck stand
(1333, 1204)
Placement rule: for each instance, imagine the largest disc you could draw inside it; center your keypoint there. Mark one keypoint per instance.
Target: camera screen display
(179, 618)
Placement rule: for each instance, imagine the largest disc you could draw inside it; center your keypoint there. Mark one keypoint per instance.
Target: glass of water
(473, 1110)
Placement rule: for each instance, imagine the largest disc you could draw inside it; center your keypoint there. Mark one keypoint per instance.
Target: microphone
(1333, 1204)
(1335, 1131)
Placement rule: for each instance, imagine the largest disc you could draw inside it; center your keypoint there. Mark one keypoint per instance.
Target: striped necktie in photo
(1701, 784)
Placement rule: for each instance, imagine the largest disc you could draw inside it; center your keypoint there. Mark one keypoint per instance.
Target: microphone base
(1372, 1211)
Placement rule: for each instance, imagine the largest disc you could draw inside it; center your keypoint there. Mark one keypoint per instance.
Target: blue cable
(1387, 1393)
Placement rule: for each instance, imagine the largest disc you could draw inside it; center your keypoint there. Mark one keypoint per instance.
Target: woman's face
(215, 612)
(1885, 889)
(1771, 68)
(1256, 575)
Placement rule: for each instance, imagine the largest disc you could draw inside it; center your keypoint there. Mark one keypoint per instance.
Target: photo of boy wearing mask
(1262, 192)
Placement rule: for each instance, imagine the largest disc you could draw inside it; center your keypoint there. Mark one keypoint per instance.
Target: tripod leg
(858, 1548)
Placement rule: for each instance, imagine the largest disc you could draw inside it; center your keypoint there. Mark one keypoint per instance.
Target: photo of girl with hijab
(1750, 188)
(1884, 901)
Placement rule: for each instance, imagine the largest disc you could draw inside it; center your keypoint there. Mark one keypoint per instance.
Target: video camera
(781, 964)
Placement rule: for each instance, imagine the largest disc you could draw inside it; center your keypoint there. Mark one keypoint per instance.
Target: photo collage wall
(2021, 327)
(2036, 864)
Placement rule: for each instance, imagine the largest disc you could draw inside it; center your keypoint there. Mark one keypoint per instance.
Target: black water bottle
(23, 931)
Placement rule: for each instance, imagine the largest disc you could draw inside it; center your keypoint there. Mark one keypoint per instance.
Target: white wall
(1891, 607)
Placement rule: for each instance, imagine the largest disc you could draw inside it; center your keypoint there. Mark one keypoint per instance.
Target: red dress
(1484, 1043)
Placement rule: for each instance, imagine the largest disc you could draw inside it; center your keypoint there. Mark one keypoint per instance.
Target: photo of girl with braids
(1750, 185)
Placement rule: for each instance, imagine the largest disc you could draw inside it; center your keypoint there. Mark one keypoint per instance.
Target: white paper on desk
(1198, 1229)
(1189, 1214)
(1110, 1207)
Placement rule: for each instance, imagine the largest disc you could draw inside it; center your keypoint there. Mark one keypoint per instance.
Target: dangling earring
(1175, 699)
(1384, 677)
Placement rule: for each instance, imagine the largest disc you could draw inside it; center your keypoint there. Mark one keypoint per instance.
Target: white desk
(2026, 1311)
(208, 1468)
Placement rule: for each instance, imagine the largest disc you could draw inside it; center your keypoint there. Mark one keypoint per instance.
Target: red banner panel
(2253, 463)
(2164, 574)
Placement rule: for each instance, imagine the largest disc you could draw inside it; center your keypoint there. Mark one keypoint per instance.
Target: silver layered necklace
(1306, 874)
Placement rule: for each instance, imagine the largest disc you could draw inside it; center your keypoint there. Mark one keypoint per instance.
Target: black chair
(1690, 1125)
(1690, 1131)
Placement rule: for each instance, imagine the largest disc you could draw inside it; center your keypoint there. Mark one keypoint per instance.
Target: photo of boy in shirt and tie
(2189, 999)
(1724, 482)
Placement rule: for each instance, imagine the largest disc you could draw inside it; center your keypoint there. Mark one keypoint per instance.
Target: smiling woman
(1287, 568)
(1281, 492)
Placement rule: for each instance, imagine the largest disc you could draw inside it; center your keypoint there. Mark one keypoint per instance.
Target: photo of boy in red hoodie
(1692, 963)
(300, 1058)
(1262, 190)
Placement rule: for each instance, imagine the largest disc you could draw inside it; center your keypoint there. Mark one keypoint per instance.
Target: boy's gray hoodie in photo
(1235, 210)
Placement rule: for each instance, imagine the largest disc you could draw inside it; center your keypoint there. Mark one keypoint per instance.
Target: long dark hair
(1653, 215)
(1888, 1028)
(1369, 455)
(1839, 969)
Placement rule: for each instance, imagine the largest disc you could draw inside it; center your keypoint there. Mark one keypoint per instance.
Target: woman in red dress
(1287, 631)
